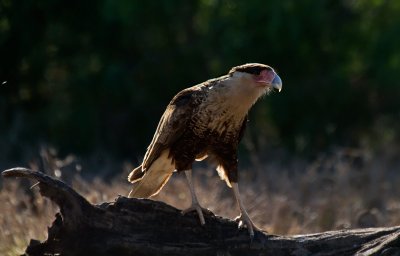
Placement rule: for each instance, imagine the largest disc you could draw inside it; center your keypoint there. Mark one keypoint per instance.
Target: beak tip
(277, 83)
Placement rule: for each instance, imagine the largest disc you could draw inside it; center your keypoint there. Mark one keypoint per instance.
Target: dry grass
(346, 190)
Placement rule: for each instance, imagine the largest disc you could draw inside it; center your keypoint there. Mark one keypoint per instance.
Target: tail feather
(152, 180)
(136, 174)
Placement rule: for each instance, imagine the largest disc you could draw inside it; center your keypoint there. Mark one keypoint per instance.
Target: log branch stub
(130, 226)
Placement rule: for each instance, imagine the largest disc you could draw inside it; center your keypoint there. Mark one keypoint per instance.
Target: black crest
(251, 68)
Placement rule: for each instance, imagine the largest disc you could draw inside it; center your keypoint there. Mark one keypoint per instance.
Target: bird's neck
(227, 104)
(239, 95)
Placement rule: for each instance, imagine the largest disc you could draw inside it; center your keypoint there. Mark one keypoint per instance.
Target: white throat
(242, 92)
(231, 100)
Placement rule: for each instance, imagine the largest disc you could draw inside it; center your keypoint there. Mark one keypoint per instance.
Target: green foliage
(98, 74)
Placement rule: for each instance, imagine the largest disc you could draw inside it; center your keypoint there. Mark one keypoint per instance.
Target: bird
(205, 121)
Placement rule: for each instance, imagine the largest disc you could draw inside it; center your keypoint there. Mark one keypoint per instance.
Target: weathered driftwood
(145, 227)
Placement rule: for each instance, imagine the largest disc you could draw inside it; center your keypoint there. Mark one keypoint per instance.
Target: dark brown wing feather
(172, 124)
(243, 128)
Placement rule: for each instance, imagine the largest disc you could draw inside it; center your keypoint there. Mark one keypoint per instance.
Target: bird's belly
(190, 147)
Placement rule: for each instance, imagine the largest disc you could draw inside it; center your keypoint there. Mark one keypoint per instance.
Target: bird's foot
(245, 221)
(198, 209)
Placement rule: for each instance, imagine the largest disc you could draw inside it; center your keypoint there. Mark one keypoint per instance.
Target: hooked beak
(277, 83)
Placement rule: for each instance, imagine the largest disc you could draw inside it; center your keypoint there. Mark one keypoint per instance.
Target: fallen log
(131, 226)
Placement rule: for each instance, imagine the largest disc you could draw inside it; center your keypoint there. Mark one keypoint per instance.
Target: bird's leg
(195, 203)
(244, 218)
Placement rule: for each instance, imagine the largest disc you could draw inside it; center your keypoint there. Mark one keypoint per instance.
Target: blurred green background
(85, 76)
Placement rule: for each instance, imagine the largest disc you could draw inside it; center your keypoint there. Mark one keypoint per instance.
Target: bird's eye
(258, 71)
(254, 70)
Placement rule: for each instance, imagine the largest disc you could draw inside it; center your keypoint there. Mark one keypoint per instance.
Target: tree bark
(130, 226)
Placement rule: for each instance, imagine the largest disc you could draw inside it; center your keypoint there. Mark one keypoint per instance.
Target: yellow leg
(244, 216)
(195, 203)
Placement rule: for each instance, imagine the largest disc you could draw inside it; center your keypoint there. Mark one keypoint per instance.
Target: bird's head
(257, 76)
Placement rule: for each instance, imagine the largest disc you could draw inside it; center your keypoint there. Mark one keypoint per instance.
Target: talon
(198, 209)
(246, 221)
(243, 218)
